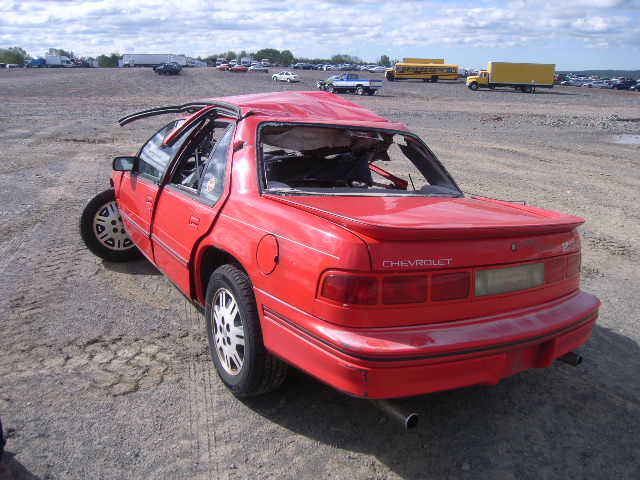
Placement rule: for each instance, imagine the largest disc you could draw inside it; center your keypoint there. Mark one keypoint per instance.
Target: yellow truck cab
(524, 77)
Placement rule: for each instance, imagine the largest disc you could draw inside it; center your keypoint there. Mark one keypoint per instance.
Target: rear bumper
(405, 361)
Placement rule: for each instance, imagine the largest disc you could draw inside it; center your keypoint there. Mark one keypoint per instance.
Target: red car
(314, 233)
(238, 68)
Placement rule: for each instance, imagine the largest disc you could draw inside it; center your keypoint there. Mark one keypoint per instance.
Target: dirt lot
(104, 371)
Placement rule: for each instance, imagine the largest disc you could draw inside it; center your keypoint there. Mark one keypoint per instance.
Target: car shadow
(18, 471)
(558, 422)
(537, 92)
(134, 267)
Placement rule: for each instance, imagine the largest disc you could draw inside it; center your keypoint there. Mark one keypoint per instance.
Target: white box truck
(144, 59)
(55, 61)
(525, 77)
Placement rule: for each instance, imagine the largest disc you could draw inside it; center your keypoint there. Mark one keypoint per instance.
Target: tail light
(450, 286)
(350, 289)
(404, 289)
(556, 269)
(573, 265)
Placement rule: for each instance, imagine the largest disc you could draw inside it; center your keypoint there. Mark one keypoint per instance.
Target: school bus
(427, 72)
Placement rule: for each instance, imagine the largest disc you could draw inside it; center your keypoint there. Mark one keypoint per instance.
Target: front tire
(359, 90)
(275, 79)
(102, 230)
(235, 336)
(473, 86)
(330, 88)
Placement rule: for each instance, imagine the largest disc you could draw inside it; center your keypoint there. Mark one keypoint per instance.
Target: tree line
(18, 55)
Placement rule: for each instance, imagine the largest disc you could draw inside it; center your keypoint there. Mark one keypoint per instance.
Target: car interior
(318, 160)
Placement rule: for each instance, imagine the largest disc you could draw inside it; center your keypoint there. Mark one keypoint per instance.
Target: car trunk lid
(420, 218)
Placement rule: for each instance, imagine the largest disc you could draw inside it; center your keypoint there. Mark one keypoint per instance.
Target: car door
(190, 201)
(139, 188)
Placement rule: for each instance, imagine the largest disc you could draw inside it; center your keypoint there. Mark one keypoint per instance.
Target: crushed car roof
(313, 106)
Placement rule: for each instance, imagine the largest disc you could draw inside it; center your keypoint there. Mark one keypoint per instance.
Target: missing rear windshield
(318, 160)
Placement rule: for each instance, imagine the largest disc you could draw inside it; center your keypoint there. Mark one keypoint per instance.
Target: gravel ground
(104, 371)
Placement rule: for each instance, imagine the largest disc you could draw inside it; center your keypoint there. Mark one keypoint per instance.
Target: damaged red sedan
(314, 233)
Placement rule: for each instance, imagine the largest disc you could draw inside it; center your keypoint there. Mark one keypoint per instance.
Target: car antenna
(412, 185)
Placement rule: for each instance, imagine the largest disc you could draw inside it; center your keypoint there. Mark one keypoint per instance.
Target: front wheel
(102, 230)
(288, 80)
(434, 79)
(359, 90)
(235, 337)
(330, 88)
(473, 86)
(274, 78)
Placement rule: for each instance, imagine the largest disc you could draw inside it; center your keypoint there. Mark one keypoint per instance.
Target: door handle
(149, 200)
(194, 221)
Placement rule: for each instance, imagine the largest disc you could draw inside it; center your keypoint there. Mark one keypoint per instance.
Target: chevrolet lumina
(314, 233)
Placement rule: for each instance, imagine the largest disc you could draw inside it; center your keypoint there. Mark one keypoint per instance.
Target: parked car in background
(598, 84)
(168, 68)
(239, 68)
(576, 81)
(559, 78)
(623, 84)
(36, 63)
(378, 69)
(635, 88)
(258, 68)
(315, 233)
(350, 82)
(223, 66)
(286, 76)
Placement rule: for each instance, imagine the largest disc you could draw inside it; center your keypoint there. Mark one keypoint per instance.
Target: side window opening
(154, 157)
(213, 176)
(195, 157)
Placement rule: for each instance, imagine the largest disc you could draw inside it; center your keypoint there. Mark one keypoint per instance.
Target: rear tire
(359, 90)
(102, 230)
(434, 79)
(235, 336)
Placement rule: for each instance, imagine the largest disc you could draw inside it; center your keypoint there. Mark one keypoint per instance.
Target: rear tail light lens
(450, 286)
(509, 279)
(573, 265)
(556, 269)
(403, 289)
(351, 289)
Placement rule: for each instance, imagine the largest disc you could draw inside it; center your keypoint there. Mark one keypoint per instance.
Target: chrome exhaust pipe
(393, 410)
(571, 358)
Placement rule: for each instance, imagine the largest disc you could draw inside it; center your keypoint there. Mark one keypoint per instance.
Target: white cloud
(366, 28)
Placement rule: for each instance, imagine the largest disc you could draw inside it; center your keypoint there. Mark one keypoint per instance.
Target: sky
(575, 35)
